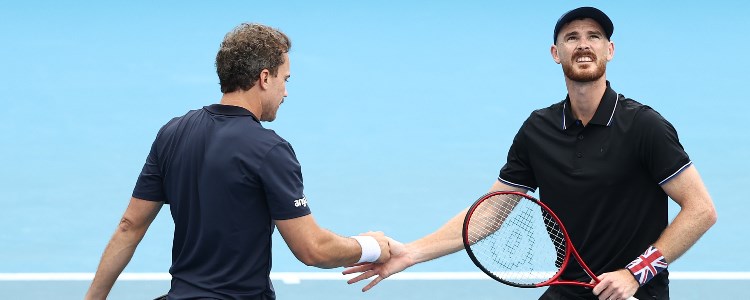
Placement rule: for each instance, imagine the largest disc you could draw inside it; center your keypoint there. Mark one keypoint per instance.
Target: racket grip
(632, 298)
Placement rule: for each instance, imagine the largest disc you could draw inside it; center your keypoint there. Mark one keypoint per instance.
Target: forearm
(446, 240)
(316, 246)
(131, 229)
(697, 214)
(335, 251)
(684, 231)
(116, 256)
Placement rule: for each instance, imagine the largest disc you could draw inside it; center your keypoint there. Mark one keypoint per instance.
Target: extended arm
(446, 240)
(315, 246)
(697, 214)
(133, 225)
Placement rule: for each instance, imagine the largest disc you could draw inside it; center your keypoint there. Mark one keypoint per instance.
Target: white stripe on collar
(564, 126)
(613, 110)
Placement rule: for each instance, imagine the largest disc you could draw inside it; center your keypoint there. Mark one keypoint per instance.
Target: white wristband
(370, 248)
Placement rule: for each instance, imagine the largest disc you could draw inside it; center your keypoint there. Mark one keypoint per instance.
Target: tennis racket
(517, 240)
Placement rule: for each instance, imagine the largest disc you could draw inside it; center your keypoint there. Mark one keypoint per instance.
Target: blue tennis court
(393, 108)
(400, 289)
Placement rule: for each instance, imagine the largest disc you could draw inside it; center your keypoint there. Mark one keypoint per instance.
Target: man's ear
(263, 79)
(555, 55)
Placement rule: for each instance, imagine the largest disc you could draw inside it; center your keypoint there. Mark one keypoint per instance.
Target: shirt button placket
(578, 159)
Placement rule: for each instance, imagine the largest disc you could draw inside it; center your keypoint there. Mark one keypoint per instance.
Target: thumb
(396, 247)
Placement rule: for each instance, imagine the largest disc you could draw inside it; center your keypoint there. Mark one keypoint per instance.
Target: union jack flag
(646, 266)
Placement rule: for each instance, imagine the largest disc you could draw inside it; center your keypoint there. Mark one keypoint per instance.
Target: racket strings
(556, 236)
(516, 240)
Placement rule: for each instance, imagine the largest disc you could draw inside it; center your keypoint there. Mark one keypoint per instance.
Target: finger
(601, 285)
(606, 295)
(373, 283)
(357, 265)
(358, 268)
(362, 276)
(622, 296)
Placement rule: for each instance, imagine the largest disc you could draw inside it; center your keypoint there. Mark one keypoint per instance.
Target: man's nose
(583, 45)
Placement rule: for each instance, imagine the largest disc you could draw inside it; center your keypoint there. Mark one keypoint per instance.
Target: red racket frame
(569, 248)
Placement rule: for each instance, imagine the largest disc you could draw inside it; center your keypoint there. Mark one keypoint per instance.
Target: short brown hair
(246, 51)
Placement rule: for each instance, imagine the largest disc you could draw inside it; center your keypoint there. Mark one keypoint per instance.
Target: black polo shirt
(226, 179)
(603, 180)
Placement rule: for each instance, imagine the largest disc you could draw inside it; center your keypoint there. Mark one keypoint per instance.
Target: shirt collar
(229, 110)
(603, 115)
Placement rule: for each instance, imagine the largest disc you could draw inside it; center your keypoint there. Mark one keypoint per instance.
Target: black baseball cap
(585, 12)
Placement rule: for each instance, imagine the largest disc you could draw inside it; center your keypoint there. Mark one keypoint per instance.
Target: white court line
(297, 277)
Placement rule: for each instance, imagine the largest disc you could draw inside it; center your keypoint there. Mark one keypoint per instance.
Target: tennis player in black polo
(228, 181)
(606, 165)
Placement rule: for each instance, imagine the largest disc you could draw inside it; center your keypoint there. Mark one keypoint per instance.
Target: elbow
(125, 226)
(315, 258)
(711, 216)
(128, 227)
(704, 217)
(309, 254)
(309, 259)
(318, 263)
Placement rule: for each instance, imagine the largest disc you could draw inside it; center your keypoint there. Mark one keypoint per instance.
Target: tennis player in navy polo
(229, 182)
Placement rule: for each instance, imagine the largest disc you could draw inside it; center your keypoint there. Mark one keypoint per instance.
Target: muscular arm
(315, 246)
(697, 214)
(133, 225)
(446, 240)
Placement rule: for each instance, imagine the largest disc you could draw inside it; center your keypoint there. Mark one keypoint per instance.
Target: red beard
(586, 74)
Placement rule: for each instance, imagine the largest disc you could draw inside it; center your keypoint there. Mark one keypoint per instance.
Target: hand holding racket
(517, 240)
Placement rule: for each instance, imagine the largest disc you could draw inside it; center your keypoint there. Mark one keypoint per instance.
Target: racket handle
(632, 298)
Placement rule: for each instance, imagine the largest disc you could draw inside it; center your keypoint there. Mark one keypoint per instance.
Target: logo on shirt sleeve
(301, 202)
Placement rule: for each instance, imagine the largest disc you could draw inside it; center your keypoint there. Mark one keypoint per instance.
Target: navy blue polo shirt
(603, 180)
(226, 178)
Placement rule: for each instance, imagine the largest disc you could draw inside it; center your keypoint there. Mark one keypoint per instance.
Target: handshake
(381, 256)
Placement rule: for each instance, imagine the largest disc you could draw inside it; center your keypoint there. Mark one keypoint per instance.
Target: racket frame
(569, 248)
